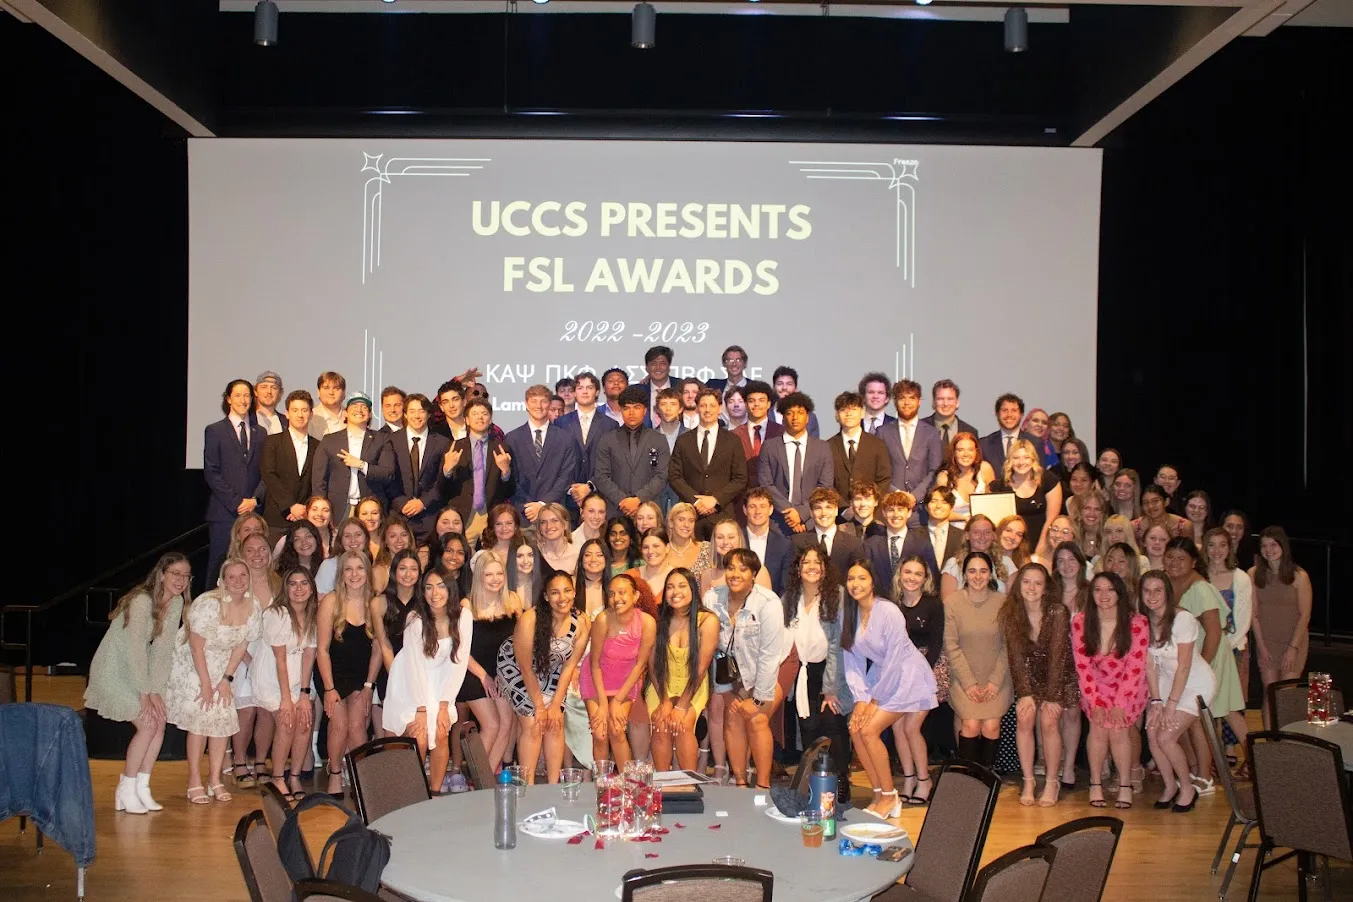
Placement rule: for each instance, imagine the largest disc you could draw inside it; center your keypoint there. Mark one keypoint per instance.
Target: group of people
(660, 569)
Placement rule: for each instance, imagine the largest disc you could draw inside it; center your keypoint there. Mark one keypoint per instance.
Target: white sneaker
(126, 799)
(458, 784)
(1204, 786)
(143, 793)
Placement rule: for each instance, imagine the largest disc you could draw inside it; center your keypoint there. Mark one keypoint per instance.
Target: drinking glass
(613, 803)
(601, 766)
(730, 860)
(810, 824)
(570, 783)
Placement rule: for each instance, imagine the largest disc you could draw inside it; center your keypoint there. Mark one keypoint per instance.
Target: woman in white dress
(966, 473)
(428, 671)
(255, 722)
(285, 656)
(1176, 676)
(220, 625)
(130, 672)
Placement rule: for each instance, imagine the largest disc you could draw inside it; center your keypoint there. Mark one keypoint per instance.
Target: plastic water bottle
(505, 812)
(822, 792)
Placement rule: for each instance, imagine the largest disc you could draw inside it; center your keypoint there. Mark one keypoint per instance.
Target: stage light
(922, 2)
(541, 2)
(644, 26)
(1016, 30)
(265, 23)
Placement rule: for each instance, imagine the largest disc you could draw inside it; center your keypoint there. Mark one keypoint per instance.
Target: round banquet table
(1339, 733)
(442, 851)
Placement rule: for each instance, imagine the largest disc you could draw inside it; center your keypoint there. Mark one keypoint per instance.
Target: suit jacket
(846, 550)
(993, 450)
(881, 559)
(951, 545)
(779, 557)
(624, 469)
(813, 429)
(232, 474)
(286, 486)
(725, 477)
(887, 418)
(330, 476)
(458, 487)
(601, 424)
(773, 472)
(960, 424)
(744, 432)
(872, 464)
(548, 478)
(721, 385)
(426, 485)
(915, 474)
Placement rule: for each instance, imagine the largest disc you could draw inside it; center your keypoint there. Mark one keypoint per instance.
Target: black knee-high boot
(970, 748)
(989, 750)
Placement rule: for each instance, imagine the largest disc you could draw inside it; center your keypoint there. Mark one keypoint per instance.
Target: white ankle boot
(126, 798)
(143, 793)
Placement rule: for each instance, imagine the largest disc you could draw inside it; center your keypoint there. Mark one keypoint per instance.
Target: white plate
(556, 830)
(870, 833)
(776, 815)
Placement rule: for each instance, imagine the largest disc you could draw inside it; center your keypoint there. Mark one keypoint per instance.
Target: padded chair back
(949, 846)
(1085, 850)
(275, 808)
(1301, 794)
(328, 891)
(1021, 874)
(387, 775)
(707, 882)
(264, 876)
(477, 757)
(806, 761)
(1287, 701)
(1242, 799)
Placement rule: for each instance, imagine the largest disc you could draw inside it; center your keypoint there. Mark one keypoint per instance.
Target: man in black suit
(587, 424)
(944, 537)
(771, 546)
(631, 463)
(288, 466)
(876, 389)
(392, 408)
(899, 541)
(735, 365)
(416, 489)
(857, 456)
(232, 455)
(354, 461)
(477, 470)
(1009, 413)
(944, 401)
(707, 468)
(843, 549)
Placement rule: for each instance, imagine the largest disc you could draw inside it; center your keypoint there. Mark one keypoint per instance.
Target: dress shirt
(810, 641)
(939, 537)
(422, 451)
(456, 432)
(952, 423)
(829, 537)
(585, 421)
(789, 455)
(670, 431)
(355, 438)
(1008, 439)
(708, 438)
(907, 430)
(846, 439)
(271, 423)
(874, 422)
(690, 420)
(325, 422)
(301, 442)
(613, 414)
(543, 427)
(235, 422)
(757, 543)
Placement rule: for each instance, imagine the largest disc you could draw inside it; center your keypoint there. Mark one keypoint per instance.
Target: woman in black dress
(495, 608)
(1038, 492)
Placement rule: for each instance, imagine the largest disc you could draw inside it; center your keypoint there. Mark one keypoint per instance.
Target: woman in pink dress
(1109, 643)
(621, 639)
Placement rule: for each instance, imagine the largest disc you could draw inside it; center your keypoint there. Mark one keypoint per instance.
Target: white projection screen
(403, 262)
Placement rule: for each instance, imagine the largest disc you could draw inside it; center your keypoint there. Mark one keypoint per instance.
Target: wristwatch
(230, 678)
(305, 690)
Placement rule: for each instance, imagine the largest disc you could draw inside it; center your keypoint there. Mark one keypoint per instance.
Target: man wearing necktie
(840, 548)
(232, 456)
(707, 468)
(417, 486)
(995, 447)
(857, 456)
(630, 464)
(760, 427)
(900, 540)
(944, 400)
(913, 445)
(875, 389)
(477, 470)
(546, 457)
(794, 464)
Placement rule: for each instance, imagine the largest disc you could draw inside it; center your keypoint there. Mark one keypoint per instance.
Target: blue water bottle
(822, 792)
(505, 812)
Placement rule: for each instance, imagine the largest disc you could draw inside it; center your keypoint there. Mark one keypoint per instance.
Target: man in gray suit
(794, 464)
(629, 464)
(913, 445)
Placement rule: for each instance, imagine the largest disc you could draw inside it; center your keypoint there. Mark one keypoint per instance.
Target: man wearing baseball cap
(267, 392)
(353, 462)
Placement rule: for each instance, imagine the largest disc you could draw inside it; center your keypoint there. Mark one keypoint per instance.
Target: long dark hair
(659, 676)
(829, 592)
(1082, 584)
(1122, 630)
(288, 559)
(544, 631)
(580, 576)
(1185, 544)
(1287, 568)
(303, 628)
(632, 552)
(423, 611)
(850, 618)
(1014, 620)
(437, 547)
(1160, 633)
(396, 612)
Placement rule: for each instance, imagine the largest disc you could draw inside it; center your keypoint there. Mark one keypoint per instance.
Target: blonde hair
(1129, 534)
(1008, 470)
(1021, 553)
(1073, 510)
(233, 550)
(658, 521)
(485, 605)
(561, 512)
(341, 595)
(684, 507)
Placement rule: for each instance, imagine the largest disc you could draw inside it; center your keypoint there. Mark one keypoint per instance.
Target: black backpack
(355, 855)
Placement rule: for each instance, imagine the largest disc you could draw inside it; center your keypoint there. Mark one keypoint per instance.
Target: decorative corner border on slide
(900, 176)
(385, 170)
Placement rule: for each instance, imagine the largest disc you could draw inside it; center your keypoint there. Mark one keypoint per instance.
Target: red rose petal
(715, 826)
(650, 854)
(679, 826)
(576, 840)
(655, 839)
(641, 838)
(599, 844)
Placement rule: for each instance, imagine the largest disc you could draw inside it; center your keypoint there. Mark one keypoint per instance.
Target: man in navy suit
(477, 470)
(545, 458)
(630, 463)
(899, 542)
(416, 490)
(392, 408)
(774, 550)
(843, 549)
(1009, 413)
(735, 365)
(876, 389)
(913, 445)
(587, 424)
(794, 464)
(707, 468)
(232, 459)
(288, 466)
(354, 461)
(944, 399)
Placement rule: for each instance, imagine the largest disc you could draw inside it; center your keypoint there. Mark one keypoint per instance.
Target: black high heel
(919, 801)
(1185, 809)
(1167, 803)
(905, 797)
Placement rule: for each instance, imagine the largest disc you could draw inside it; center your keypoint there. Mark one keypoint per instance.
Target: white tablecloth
(443, 852)
(1341, 734)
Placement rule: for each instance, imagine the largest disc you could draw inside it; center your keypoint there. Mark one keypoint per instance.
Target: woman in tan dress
(1281, 612)
(980, 689)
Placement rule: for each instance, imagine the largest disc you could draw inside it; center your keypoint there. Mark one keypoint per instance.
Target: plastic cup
(810, 824)
(570, 782)
(518, 773)
(601, 767)
(729, 860)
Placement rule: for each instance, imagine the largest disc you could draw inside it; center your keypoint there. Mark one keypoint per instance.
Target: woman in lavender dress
(874, 631)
